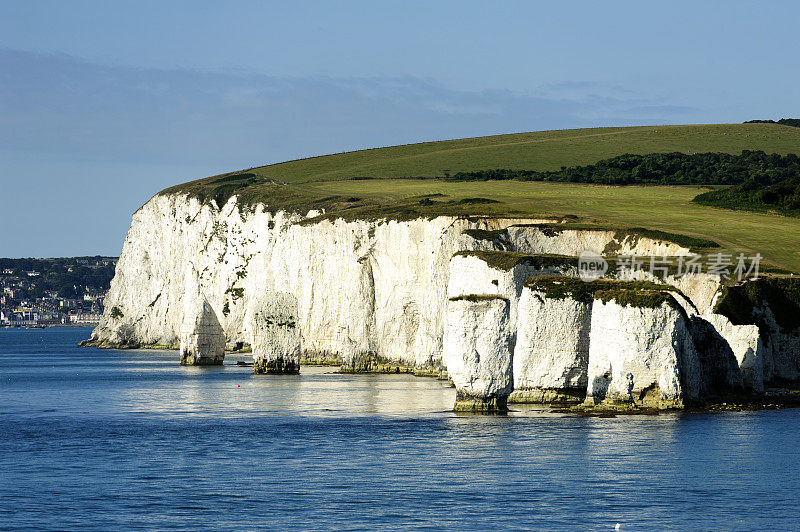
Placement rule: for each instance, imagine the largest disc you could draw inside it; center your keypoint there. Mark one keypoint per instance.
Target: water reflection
(163, 387)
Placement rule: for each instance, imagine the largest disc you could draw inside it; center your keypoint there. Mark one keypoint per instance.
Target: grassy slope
(545, 150)
(323, 182)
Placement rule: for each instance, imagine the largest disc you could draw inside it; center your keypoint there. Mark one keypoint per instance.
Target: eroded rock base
(432, 372)
(547, 396)
(480, 405)
(371, 363)
(278, 366)
(320, 358)
(190, 359)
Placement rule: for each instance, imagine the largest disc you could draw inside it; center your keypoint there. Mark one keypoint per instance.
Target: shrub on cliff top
(625, 293)
(557, 287)
(554, 229)
(506, 260)
(482, 234)
(636, 298)
(742, 303)
(476, 298)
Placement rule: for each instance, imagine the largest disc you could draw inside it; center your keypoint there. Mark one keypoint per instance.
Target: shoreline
(774, 398)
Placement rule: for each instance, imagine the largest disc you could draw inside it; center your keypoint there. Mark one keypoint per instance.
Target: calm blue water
(129, 439)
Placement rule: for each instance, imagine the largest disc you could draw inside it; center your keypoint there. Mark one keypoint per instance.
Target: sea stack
(275, 334)
(477, 352)
(202, 337)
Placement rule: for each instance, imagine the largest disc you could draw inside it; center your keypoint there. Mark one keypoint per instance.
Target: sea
(128, 439)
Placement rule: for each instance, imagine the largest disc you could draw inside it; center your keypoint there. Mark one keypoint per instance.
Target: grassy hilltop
(542, 150)
(336, 183)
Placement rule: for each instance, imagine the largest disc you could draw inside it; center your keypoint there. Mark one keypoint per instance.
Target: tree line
(793, 122)
(659, 169)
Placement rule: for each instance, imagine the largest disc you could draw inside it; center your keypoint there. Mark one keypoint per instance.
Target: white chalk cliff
(551, 355)
(641, 355)
(366, 291)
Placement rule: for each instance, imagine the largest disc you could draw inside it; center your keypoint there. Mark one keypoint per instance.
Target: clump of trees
(660, 169)
(793, 122)
(782, 197)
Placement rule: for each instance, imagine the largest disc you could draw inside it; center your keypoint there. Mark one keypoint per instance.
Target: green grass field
(327, 182)
(545, 150)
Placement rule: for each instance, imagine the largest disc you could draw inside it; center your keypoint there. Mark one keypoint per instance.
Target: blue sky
(103, 104)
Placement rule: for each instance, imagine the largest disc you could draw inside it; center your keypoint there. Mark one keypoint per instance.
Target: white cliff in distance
(366, 292)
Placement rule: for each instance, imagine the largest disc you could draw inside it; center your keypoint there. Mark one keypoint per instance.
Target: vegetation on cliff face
(690, 242)
(412, 208)
(625, 293)
(637, 297)
(250, 189)
(782, 198)
(559, 287)
(620, 233)
(477, 298)
(487, 236)
(507, 260)
(743, 303)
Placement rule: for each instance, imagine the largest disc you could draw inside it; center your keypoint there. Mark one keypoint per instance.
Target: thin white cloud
(60, 104)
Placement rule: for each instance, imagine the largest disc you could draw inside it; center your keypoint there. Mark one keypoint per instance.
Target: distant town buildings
(60, 292)
(85, 319)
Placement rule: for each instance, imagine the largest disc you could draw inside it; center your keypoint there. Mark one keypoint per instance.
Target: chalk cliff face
(363, 288)
(552, 349)
(618, 344)
(573, 242)
(202, 339)
(368, 292)
(471, 274)
(761, 321)
(642, 356)
(781, 348)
